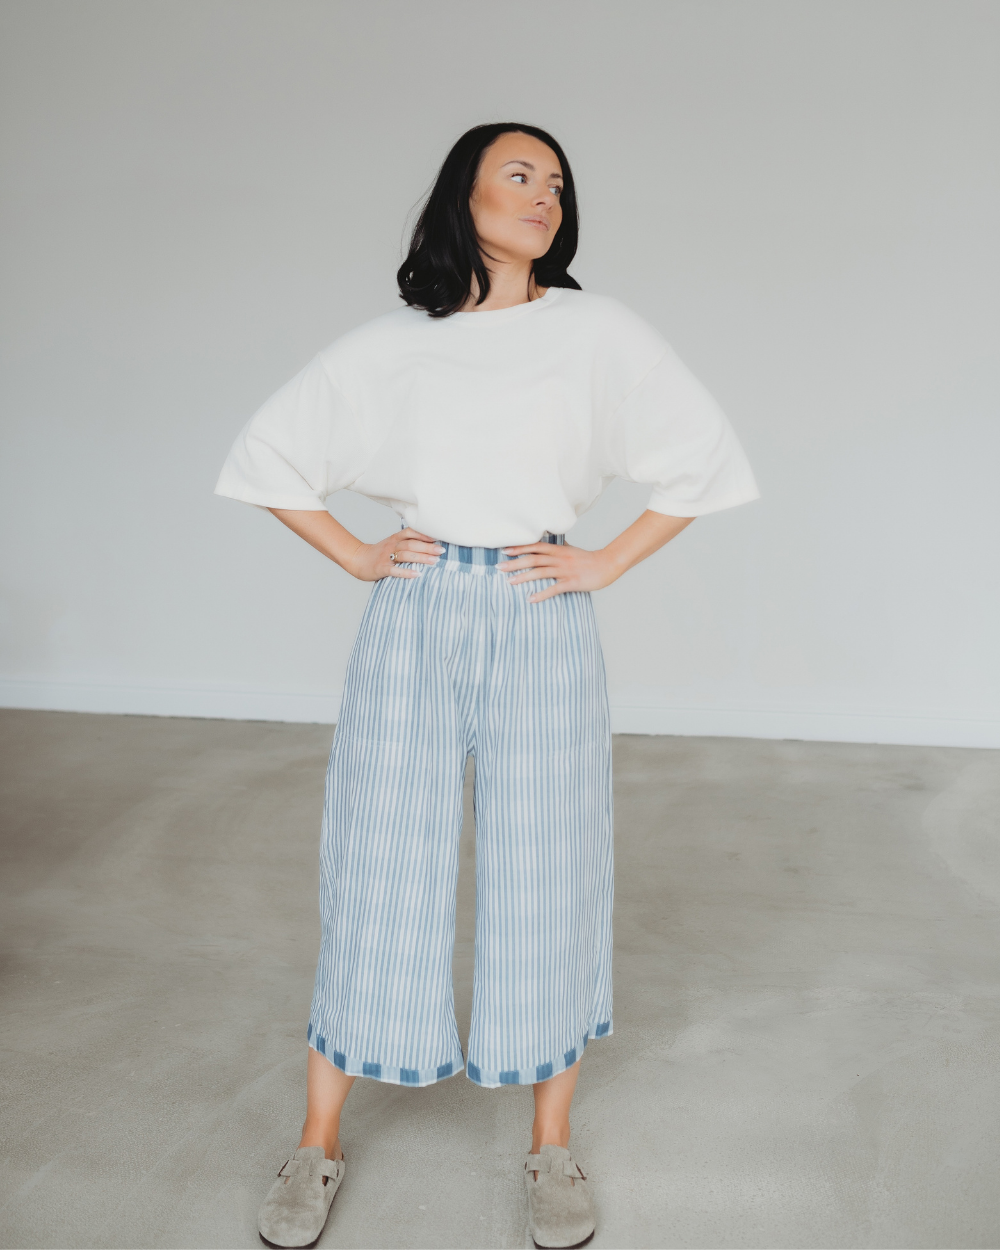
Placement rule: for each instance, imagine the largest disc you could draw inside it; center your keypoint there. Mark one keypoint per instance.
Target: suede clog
(296, 1207)
(560, 1208)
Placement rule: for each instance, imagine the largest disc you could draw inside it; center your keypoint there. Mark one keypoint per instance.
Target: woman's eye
(524, 177)
(557, 190)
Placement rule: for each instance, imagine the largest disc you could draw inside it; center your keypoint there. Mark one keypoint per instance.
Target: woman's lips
(536, 221)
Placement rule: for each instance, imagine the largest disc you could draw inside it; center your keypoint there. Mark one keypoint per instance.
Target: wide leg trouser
(451, 663)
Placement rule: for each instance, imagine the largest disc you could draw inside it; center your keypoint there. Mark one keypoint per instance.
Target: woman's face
(515, 199)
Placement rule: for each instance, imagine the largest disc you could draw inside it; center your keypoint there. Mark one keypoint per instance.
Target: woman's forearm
(368, 562)
(322, 531)
(648, 533)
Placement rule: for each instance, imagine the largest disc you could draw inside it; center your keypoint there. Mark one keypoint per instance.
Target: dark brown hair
(444, 251)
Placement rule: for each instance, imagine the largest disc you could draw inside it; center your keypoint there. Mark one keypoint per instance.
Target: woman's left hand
(574, 568)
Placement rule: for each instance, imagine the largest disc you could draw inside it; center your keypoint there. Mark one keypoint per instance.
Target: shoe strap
(563, 1167)
(333, 1168)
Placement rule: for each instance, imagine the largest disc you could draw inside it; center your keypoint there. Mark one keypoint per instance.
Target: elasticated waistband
(486, 555)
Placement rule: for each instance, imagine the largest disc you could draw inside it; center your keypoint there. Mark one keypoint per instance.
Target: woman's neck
(510, 284)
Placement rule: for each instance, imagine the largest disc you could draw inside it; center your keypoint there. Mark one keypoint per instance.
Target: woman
(489, 413)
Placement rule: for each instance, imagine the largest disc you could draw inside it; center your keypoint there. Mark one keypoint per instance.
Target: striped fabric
(447, 664)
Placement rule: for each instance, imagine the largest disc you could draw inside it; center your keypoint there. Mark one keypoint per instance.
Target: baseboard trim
(232, 703)
(201, 702)
(889, 730)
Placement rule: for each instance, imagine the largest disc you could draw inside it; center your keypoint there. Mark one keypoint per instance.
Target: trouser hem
(351, 1066)
(541, 1071)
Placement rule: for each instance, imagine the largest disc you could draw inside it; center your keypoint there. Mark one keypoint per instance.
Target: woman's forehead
(513, 147)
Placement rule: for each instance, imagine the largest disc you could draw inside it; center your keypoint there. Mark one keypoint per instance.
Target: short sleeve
(302, 445)
(669, 432)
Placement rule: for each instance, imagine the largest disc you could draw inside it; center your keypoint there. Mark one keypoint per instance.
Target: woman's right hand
(371, 561)
(366, 561)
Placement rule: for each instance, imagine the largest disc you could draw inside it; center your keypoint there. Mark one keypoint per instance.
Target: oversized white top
(488, 428)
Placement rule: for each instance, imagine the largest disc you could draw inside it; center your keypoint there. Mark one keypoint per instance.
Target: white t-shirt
(486, 429)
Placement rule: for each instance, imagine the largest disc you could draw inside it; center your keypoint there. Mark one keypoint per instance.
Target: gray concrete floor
(807, 1008)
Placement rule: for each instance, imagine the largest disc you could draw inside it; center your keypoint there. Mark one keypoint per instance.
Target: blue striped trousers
(450, 663)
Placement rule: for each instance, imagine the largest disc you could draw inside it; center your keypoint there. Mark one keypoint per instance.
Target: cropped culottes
(454, 662)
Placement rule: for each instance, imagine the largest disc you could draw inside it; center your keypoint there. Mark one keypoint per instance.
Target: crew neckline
(493, 315)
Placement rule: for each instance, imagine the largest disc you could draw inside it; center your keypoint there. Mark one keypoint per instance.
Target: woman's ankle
(330, 1142)
(549, 1135)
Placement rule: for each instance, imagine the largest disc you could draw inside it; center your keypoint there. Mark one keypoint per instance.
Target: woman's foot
(296, 1207)
(331, 1150)
(560, 1208)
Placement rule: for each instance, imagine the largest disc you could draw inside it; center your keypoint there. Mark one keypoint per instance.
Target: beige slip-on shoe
(296, 1207)
(560, 1208)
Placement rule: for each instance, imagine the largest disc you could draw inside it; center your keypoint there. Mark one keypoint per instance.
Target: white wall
(803, 197)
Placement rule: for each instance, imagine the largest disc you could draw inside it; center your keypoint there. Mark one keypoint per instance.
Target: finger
(417, 550)
(520, 571)
(560, 588)
(529, 547)
(413, 557)
(531, 576)
(412, 533)
(533, 561)
(413, 544)
(394, 572)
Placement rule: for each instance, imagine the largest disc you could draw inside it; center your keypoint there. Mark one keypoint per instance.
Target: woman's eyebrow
(527, 165)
